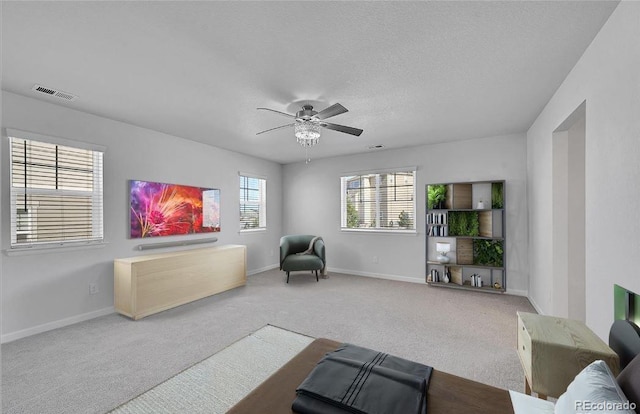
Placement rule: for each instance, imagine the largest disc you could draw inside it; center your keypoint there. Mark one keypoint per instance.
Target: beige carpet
(94, 366)
(220, 381)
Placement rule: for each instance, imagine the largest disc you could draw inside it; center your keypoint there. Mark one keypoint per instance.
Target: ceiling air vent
(54, 92)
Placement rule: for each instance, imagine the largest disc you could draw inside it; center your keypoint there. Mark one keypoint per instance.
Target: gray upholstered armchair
(302, 252)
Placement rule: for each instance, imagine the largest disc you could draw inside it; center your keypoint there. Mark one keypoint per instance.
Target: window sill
(23, 251)
(252, 231)
(378, 231)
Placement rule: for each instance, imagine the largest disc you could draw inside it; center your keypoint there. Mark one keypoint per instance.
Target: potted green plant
(436, 196)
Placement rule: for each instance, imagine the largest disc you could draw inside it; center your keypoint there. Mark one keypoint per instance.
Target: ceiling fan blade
(342, 128)
(272, 129)
(278, 112)
(333, 110)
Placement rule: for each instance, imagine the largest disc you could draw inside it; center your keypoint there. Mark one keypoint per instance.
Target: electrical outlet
(93, 288)
(375, 259)
(271, 252)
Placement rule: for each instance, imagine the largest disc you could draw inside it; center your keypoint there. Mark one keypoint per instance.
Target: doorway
(569, 217)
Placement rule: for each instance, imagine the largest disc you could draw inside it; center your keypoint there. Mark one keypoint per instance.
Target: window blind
(381, 201)
(253, 203)
(56, 193)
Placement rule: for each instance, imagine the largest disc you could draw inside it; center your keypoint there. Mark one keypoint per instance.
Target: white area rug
(220, 381)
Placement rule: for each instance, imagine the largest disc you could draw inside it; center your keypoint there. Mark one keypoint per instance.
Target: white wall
(45, 290)
(1, 227)
(608, 77)
(312, 204)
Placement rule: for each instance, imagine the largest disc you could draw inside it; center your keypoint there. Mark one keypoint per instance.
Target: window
(379, 201)
(253, 203)
(56, 193)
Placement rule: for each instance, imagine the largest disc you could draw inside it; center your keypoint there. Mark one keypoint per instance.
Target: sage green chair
(291, 262)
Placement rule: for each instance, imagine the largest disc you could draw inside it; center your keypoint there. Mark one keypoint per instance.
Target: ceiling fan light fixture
(307, 124)
(307, 133)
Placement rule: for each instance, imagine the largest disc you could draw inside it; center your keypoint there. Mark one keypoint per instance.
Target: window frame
(261, 204)
(377, 229)
(95, 197)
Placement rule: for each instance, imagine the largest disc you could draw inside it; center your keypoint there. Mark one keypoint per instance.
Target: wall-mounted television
(159, 209)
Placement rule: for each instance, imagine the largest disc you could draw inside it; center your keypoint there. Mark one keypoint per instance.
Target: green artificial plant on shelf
(488, 252)
(497, 196)
(463, 223)
(436, 196)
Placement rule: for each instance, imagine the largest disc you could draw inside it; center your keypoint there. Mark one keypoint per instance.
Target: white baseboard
(55, 324)
(348, 272)
(377, 275)
(262, 269)
(535, 306)
(517, 292)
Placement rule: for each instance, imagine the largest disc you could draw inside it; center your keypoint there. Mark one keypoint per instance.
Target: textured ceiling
(410, 73)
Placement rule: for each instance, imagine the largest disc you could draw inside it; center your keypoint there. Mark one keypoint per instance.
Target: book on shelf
(438, 230)
(436, 218)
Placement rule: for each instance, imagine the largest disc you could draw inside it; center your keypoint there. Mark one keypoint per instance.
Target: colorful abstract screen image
(159, 209)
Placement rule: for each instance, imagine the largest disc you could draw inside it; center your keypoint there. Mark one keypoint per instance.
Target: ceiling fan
(308, 123)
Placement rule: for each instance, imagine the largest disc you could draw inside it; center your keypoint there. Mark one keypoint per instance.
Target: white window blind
(253, 203)
(379, 201)
(56, 194)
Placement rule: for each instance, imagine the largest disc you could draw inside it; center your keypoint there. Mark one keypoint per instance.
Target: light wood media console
(144, 285)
